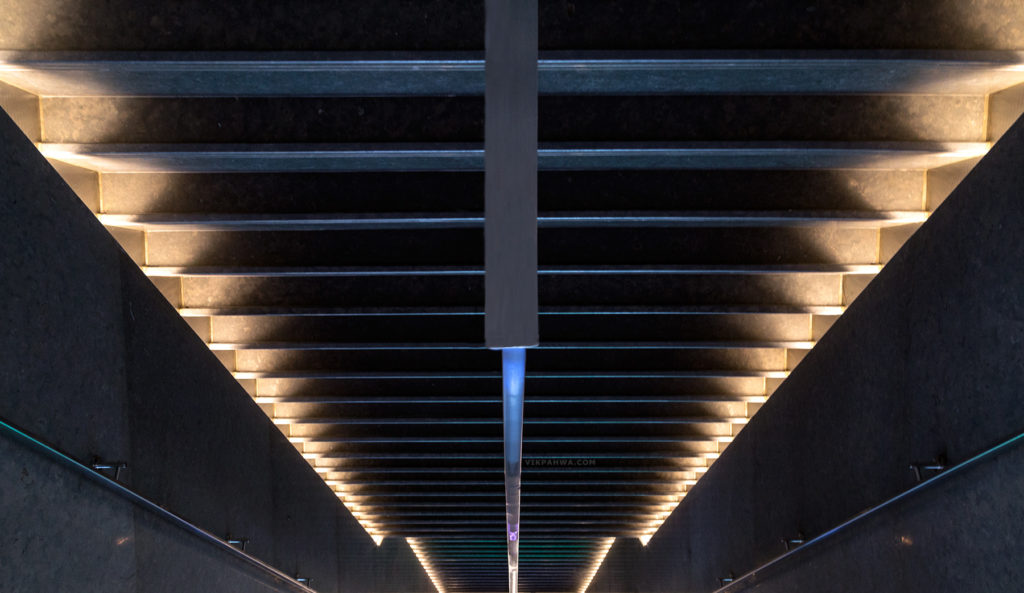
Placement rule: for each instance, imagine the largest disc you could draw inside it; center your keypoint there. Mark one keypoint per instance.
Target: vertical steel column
(510, 227)
(510, 185)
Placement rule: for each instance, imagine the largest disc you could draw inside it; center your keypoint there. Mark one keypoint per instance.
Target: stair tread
(122, 158)
(444, 73)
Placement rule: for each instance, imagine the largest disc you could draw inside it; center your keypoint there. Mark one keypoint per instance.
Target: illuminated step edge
(421, 555)
(224, 158)
(339, 272)
(211, 74)
(602, 552)
(478, 311)
(367, 346)
(412, 376)
(392, 221)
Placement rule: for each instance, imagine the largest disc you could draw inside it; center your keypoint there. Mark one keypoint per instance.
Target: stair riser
(940, 118)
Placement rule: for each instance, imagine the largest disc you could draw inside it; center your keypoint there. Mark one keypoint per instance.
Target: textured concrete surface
(302, 505)
(57, 528)
(96, 362)
(564, 24)
(60, 352)
(166, 562)
(23, 108)
(388, 571)
(942, 118)
(963, 532)
(926, 363)
(820, 243)
(557, 191)
(200, 446)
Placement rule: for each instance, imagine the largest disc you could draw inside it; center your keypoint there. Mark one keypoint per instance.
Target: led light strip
(359, 515)
(425, 562)
(667, 510)
(606, 544)
(358, 512)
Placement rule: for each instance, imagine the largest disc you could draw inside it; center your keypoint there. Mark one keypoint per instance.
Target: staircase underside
(315, 212)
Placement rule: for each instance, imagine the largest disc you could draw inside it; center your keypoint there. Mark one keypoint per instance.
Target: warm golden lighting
(606, 544)
(258, 361)
(357, 513)
(425, 562)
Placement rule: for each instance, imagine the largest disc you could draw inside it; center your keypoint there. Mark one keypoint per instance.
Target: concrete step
(735, 384)
(836, 118)
(465, 346)
(819, 287)
(319, 74)
(475, 311)
(439, 251)
(491, 427)
(604, 219)
(470, 271)
(227, 158)
(484, 463)
(481, 359)
(579, 329)
(542, 407)
(614, 191)
(575, 447)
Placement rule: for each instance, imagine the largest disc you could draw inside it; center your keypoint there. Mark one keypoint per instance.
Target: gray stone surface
(23, 108)
(200, 445)
(430, 74)
(167, 562)
(836, 118)
(926, 363)
(63, 342)
(965, 530)
(59, 529)
(95, 361)
(390, 573)
(558, 191)
(360, 570)
(588, 156)
(303, 506)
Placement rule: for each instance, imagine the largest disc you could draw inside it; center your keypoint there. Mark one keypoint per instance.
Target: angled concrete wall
(94, 361)
(926, 363)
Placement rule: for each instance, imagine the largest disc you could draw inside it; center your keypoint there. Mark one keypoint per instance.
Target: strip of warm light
(421, 555)
(654, 526)
(342, 492)
(339, 487)
(372, 530)
(606, 544)
(667, 510)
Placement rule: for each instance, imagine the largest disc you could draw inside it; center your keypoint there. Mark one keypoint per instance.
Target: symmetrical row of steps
(704, 217)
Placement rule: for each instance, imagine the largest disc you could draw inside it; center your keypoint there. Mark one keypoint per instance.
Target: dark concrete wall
(96, 362)
(926, 362)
